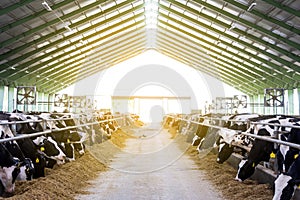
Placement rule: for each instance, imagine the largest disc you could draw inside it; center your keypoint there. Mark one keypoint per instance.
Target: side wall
(291, 104)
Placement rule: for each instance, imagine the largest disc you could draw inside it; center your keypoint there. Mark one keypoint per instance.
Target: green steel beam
(110, 35)
(45, 25)
(283, 7)
(33, 16)
(39, 66)
(265, 17)
(72, 81)
(115, 58)
(192, 56)
(218, 76)
(73, 67)
(46, 37)
(14, 6)
(104, 51)
(290, 81)
(247, 23)
(66, 69)
(240, 32)
(235, 70)
(279, 68)
(95, 69)
(246, 73)
(296, 68)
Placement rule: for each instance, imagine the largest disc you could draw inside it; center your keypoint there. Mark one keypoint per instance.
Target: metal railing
(265, 138)
(18, 137)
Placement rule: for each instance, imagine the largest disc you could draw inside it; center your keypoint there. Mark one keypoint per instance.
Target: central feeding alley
(151, 166)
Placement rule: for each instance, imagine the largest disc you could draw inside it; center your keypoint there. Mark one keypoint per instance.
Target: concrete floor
(151, 167)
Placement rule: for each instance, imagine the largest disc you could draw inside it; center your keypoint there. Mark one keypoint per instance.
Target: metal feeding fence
(273, 139)
(44, 122)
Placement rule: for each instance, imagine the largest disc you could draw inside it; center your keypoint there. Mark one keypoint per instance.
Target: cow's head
(9, 174)
(246, 169)
(51, 149)
(26, 170)
(224, 151)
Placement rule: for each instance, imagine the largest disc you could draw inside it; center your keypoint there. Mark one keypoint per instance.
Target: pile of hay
(222, 176)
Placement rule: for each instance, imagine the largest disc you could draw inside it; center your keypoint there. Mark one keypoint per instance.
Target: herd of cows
(32, 142)
(224, 134)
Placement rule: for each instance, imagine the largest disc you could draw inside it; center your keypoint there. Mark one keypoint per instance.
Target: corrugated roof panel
(251, 33)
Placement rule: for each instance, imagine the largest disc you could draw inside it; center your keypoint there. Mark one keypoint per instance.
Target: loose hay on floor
(64, 182)
(68, 180)
(222, 176)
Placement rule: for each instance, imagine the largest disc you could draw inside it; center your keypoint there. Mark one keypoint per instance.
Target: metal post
(290, 102)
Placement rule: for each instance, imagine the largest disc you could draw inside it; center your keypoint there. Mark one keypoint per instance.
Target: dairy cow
(228, 135)
(261, 149)
(38, 159)
(26, 165)
(286, 183)
(51, 150)
(9, 171)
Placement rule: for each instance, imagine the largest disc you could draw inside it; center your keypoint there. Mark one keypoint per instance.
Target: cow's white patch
(7, 179)
(39, 140)
(280, 183)
(241, 164)
(227, 134)
(22, 175)
(221, 147)
(60, 158)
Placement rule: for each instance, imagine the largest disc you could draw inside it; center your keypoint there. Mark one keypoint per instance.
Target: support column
(50, 99)
(11, 99)
(39, 100)
(1, 97)
(290, 102)
(298, 100)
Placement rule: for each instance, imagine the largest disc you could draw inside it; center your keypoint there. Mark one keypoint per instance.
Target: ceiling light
(46, 6)
(251, 6)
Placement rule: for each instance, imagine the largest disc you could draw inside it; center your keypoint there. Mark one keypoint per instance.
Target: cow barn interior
(149, 99)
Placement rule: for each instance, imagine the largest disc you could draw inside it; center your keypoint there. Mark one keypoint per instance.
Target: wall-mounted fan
(26, 95)
(239, 101)
(77, 101)
(274, 97)
(224, 103)
(61, 100)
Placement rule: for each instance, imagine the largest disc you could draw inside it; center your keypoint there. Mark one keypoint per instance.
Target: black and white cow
(286, 183)
(67, 140)
(38, 159)
(286, 155)
(201, 131)
(26, 165)
(228, 135)
(9, 171)
(261, 149)
(51, 150)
